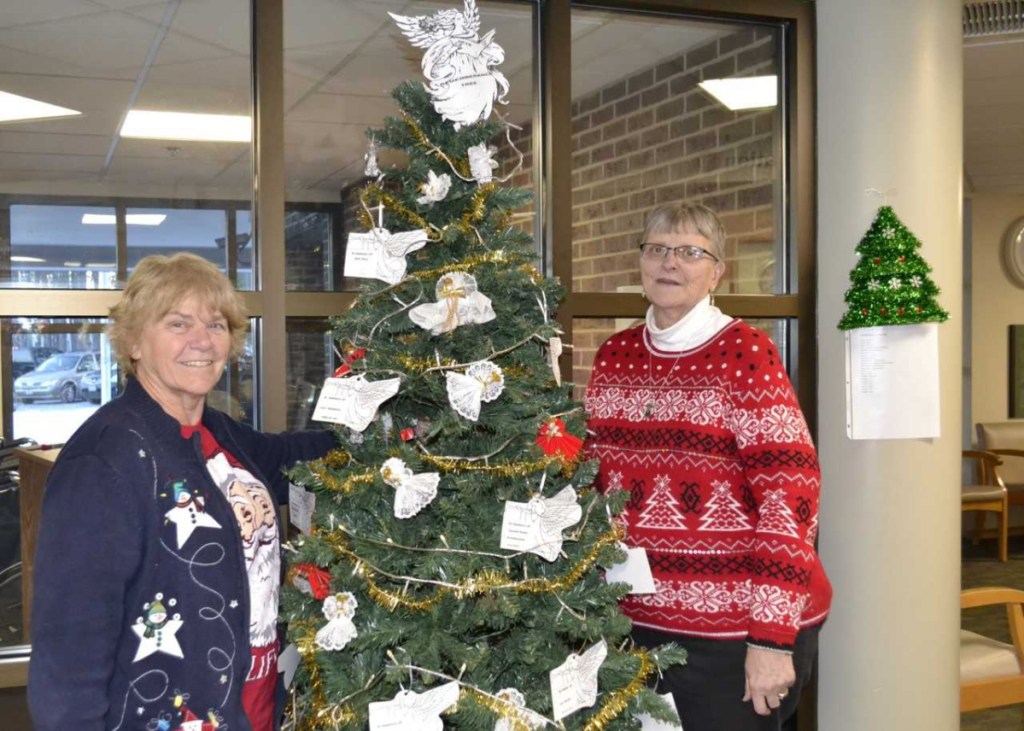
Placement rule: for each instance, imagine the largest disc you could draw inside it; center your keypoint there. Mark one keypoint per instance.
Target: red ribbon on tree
(351, 356)
(554, 439)
(318, 579)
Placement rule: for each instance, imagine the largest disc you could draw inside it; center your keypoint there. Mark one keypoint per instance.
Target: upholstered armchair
(1006, 438)
(991, 670)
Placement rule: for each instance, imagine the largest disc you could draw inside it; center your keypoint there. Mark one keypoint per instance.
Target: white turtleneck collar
(695, 328)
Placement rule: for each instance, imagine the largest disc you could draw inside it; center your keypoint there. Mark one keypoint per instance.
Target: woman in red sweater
(692, 412)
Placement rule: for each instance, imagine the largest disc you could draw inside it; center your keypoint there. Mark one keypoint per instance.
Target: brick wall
(653, 138)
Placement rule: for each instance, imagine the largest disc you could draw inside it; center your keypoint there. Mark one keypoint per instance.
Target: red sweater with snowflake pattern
(723, 480)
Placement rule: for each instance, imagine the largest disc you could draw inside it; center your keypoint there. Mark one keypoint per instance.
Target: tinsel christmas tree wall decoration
(452, 577)
(890, 283)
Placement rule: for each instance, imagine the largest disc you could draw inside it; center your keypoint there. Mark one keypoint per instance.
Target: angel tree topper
(458, 62)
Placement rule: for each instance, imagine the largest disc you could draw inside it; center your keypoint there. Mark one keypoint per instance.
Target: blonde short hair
(688, 218)
(156, 286)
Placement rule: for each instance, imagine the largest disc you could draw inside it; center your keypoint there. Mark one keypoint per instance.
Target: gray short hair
(688, 218)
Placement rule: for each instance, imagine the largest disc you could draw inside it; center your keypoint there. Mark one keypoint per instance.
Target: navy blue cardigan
(108, 561)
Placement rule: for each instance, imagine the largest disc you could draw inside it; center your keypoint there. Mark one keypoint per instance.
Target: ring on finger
(783, 694)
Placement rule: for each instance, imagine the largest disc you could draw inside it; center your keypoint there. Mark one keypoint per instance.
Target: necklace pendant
(649, 409)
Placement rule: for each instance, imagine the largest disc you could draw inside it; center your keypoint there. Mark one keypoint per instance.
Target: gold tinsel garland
(461, 166)
(482, 583)
(615, 703)
(419, 365)
(475, 212)
(505, 469)
(321, 713)
(377, 194)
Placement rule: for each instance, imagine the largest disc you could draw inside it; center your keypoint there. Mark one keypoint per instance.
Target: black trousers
(708, 689)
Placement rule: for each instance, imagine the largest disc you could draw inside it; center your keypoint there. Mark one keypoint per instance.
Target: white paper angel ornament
(537, 526)
(353, 401)
(482, 163)
(516, 715)
(339, 609)
(380, 254)
(458, 62)
(459, 302)
(413, 492)
(574, 682)
(409, 711)
(482, 381)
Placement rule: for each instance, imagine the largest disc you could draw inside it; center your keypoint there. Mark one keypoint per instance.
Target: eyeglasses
(688, 253)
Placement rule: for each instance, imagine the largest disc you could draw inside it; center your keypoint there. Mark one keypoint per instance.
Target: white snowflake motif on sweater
(705, 407)
(606, 404)
(782, 424)
(746, 427)
(635, 406)
(670, 405)
(772, 605)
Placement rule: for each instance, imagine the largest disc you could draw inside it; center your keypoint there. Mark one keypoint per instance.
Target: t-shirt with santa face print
(256, 517)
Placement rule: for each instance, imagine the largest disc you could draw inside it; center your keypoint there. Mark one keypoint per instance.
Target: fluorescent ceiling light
(744, 92)
(14, 108)
(28, 259)
(72, 263)
(100, 265)
(187, 126)
(137, 219)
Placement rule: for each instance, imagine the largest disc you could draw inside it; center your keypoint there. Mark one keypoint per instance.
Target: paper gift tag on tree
(537, 526)
(409, 711)
(574, 682)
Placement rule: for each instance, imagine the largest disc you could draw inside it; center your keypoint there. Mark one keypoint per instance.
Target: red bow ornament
(311, 579)
(554, 439)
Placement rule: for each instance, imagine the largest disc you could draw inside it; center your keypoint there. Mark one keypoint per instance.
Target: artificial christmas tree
(890, 283)
(452, 578)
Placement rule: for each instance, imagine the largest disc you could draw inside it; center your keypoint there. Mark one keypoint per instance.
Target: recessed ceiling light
(14, 108)
(137, 219)
(187, 126)
(28, 259)
(744, 92)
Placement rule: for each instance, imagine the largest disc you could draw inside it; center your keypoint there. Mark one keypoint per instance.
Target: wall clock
(1013, 252)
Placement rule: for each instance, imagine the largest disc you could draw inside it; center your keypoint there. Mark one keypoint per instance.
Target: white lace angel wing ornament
(458, 62)
(353, 401)
(516, 713)
(574, 682)
(339, 609)
(554, 514)
(409, 711)
(482, 381)
(459, 302)
(413, 492)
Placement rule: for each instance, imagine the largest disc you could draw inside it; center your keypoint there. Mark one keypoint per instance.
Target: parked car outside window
(92, 389)
(57, 377)
(25, 360)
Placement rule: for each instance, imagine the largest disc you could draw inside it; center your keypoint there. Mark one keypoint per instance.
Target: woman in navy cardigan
(159, 560)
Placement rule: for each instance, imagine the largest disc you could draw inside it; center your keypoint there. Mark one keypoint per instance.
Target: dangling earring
(643, 293)
(712, 295)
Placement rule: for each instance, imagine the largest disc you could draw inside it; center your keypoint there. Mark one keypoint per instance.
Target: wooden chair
(988, 494)
(1006, 439)
(992, 672)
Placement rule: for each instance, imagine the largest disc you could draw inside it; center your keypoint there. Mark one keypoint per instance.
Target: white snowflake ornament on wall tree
(458, 63)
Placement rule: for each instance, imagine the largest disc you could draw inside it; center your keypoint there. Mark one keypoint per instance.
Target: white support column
(889, 94)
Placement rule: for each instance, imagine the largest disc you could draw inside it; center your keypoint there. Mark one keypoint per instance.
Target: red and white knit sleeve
(781, 468)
